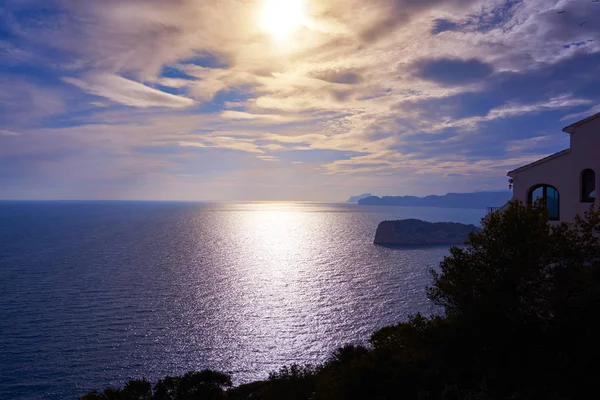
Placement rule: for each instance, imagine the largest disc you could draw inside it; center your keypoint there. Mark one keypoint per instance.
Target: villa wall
(585, 148)
(564, 172)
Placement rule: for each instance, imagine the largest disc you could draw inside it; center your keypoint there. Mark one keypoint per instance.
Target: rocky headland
(356, 199)
(414, 232)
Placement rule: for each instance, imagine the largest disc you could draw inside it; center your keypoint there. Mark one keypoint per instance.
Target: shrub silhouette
(520, 299)
(205, 384)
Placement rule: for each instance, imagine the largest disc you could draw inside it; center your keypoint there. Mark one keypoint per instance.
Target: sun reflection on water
(240, 288)
(290, 280)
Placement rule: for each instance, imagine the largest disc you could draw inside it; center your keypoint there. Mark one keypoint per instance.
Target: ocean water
(95, 293)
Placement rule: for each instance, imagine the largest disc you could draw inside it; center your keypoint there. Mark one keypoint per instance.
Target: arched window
(588, 186)
(549, 196)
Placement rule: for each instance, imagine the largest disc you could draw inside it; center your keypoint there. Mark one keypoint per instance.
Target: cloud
(515, 109)
(264, 118)
(11, 54)
(219, 140)
(534, 144)
(347, 77)
(173, 82)
(387, 15)
(192, 144)
(453, 71)
(268, 158)
(9, 133)
(443, 25)
(580, 115)
(471, 125)
(24, 103)
(127, 92)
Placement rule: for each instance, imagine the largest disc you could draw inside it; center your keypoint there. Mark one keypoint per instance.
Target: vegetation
(521, 302)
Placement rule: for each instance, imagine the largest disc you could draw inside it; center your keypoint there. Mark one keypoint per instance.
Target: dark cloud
(450, 72)
(490, 18)
(347, 77)
(459, 106)
(578, 76)
(443, 25)
(341, 95)
(383, 27)
(173, 72)
(579, 20)
(209, 59)
(393, 13)
(575, 20)
(483, 21)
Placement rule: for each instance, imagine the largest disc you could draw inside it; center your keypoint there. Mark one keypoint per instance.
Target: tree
(205, 385)
(167, 388)
(107, 394)
(521, 300)
(137, 389)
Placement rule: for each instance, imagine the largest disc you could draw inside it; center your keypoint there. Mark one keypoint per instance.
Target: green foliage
(521, 300)
(167, 388)
(203, 385)
(107, 394)
(93, 395)
(137, 389)
(206, 384)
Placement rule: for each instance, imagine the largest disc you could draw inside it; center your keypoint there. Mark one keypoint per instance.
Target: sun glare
(281, 18)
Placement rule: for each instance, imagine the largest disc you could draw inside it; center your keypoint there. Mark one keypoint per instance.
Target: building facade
(567, 181)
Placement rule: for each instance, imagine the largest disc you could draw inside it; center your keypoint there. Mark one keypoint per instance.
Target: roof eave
(571, 128)
(538, 162)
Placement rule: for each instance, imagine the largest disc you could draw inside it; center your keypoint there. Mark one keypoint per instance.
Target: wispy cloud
(590, 111)
(516, 109)
(534, 144)
(127, 92)
(268, 158)
(9, 133)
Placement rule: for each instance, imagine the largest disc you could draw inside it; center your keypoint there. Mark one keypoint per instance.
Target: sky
(312, 100)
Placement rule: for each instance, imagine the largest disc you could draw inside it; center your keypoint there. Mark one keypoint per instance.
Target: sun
(281, 18)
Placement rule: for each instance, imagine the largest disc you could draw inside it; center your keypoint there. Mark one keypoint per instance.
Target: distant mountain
(355, 199)
(450, 200)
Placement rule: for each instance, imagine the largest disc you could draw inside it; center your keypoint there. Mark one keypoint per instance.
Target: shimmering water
(93, 294)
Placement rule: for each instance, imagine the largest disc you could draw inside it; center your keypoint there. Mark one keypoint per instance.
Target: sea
(93, 294)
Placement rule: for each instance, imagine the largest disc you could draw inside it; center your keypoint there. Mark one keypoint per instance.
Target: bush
(521, 299)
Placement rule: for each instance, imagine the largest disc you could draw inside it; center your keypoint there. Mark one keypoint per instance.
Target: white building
(567, 180)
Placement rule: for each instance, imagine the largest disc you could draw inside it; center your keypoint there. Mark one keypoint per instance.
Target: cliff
(356, 199)
(451, 200)
(417, 232)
